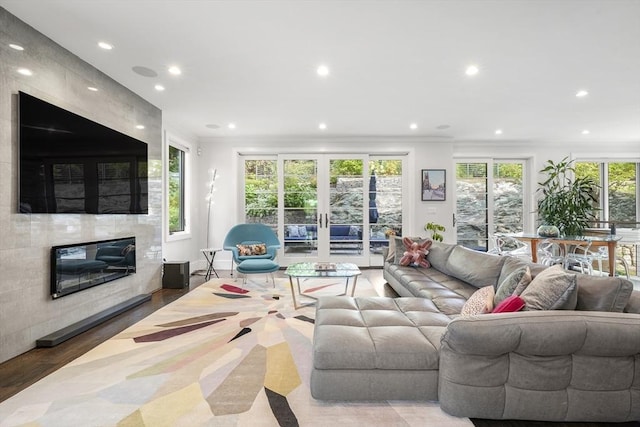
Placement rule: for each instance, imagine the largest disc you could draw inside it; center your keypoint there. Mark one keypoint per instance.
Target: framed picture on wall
(434, 184)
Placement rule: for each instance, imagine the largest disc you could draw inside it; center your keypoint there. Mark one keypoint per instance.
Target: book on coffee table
(325, 266)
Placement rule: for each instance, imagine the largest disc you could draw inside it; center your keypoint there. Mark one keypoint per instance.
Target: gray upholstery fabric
(439, 254)
(510, 366)
(508, 285)
(553, 289)
(603, 293)
(360, 337)
(476, 268)
(534, 365)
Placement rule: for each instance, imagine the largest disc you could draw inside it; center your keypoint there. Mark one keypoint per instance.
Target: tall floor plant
(565, 201)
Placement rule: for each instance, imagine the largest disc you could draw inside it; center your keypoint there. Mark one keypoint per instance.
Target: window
(261, 191)
(619, 190)
(619, 203)
(177, 200)
(490, 199)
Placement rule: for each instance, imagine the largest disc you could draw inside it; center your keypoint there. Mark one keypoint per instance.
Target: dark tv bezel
(88, 149)
(55, 293)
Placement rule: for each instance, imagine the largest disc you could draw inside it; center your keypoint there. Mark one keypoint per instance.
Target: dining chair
(578, 256)
(509, 246)
(550, 253)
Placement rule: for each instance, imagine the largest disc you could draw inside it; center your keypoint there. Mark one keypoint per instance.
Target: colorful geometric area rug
(225, 354)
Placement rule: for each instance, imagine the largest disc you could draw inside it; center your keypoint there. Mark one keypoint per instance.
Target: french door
(322, 213)
(327, 207)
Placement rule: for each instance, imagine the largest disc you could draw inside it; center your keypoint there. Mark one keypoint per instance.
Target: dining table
(609, 240)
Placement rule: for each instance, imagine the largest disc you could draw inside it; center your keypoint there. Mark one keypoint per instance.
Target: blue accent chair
(251, 234)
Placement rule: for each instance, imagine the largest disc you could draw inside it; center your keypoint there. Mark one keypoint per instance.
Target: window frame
(186, 148)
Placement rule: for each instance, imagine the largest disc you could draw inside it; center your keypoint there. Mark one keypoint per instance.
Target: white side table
(209, 255)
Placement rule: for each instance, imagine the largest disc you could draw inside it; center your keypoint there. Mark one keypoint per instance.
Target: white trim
(172, 140)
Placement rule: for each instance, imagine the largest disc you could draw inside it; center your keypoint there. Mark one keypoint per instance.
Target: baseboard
(77, 328)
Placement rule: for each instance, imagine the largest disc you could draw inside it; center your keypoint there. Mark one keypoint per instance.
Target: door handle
(326, 220)
(319, 220)
(454, 220)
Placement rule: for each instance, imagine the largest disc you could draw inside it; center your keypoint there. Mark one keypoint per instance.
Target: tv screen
(70, 164)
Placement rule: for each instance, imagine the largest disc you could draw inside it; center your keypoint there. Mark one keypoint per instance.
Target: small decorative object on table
(548, 231)
(325, 266)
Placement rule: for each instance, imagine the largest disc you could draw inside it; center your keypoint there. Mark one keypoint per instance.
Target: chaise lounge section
(577, 364)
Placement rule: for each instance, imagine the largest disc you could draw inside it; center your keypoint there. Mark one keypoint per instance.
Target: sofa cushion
(510, 283)
(480, 302)
(476, 268)
(603, 293)
(439, 254)
(552, 289)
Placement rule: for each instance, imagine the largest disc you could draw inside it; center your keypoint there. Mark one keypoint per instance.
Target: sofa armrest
(543, 365)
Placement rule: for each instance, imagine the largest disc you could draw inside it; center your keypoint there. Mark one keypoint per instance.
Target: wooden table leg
(534, 250)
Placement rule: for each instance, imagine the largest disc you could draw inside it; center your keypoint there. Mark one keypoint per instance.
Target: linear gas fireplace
(84, 265)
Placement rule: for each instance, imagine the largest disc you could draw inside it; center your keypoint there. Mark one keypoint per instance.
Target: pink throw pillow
(509, 305)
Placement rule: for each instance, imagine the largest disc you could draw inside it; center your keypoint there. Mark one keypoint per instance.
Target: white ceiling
(392, 63)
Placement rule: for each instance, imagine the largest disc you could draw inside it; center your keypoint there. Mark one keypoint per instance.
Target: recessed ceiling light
(323, 71)
(498, 132)
(15, 46)
(231, 126)
(105, 45)
(92, 89)
(472, 70)
(581, 93)
(586, 132)
(159, 88)
(322, 126)
(25, 71)
(174, 70)
(413, 126)
(139, 126)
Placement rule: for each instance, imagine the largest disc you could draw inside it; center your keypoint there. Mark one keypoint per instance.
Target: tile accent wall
(27, 311)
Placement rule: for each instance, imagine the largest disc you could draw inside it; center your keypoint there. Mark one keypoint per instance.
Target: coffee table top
(308, 269)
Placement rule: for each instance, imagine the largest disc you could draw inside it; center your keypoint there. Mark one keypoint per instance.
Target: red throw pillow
(510, 304)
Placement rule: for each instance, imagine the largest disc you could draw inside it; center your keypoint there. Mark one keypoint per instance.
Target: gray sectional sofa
(581, 364)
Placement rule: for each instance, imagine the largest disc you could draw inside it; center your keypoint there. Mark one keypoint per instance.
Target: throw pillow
(294, 231)
(252, 249)
(510, 283)
(524, 282)
(510, 304)
(399, 247)
(481, 301)
(302, 230)
(416, 253)
(552, 289)
(353, 230)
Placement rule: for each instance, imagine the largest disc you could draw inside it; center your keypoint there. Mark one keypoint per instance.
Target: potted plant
(566, 202)
(435, 230)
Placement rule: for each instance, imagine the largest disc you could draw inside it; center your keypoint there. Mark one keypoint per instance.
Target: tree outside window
(177, 221)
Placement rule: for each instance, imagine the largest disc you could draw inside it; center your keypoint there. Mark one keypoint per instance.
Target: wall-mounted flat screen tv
(70, 164)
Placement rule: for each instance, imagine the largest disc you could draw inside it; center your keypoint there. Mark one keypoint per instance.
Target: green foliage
(176, 197)
(435, 230)
(567, 203)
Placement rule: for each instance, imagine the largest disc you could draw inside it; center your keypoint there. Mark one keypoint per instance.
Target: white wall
(185, 246)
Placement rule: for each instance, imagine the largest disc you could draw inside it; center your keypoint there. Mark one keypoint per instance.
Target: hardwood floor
(20, 372)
